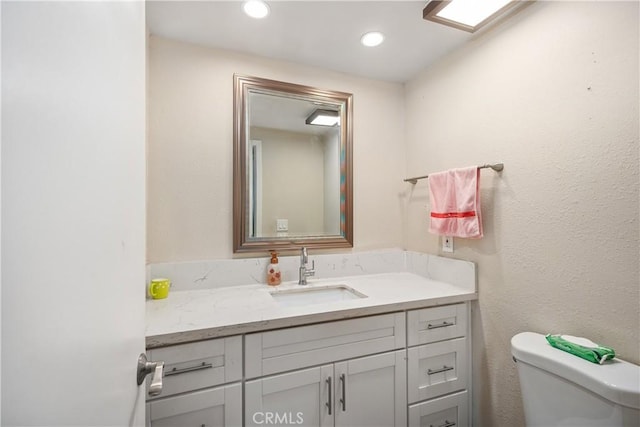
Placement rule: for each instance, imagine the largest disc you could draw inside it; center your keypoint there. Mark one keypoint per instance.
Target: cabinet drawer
(436, 324)
(448, 411)
(293, 348)
(221, 406)
(437, 369)
(199, 365)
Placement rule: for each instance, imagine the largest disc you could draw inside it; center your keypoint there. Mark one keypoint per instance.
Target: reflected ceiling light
(323, 118)
(256, 8)
(467, 15)
(372, 38)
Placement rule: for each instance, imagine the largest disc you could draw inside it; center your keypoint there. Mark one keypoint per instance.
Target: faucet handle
(304, 271)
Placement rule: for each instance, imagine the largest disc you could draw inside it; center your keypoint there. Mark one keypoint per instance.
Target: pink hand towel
(455, 203)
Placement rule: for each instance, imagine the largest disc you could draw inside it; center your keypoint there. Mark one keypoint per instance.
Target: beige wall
(552, 93)
(292, 180)
(191, 140)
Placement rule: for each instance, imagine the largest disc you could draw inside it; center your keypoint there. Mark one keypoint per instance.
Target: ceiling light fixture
(372, 38)
(323, 118)
(256, 8)
(467, 15)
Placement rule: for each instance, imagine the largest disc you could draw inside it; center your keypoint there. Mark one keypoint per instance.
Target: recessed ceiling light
(322, 117)
(372, 38)
(468, 15)
(256, 8)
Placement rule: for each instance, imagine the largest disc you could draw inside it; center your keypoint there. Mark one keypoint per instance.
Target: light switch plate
(447, 243)
(282, 225)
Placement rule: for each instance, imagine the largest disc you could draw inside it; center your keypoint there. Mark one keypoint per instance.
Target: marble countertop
(194, 315)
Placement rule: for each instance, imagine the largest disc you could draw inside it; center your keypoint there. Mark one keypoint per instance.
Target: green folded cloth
(581, 347)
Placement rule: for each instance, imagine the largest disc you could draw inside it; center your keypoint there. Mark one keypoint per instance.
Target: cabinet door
(221, 406)
(371, 391)
(303, 398)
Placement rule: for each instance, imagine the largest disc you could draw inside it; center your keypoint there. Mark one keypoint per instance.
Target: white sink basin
(315, 295)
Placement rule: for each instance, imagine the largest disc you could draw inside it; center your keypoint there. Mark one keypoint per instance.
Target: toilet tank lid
(615, 380)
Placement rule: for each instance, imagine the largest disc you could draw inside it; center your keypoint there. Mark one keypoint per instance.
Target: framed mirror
(292, 166)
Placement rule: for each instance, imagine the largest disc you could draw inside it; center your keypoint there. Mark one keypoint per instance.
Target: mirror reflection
(294, 167)
(293, 183)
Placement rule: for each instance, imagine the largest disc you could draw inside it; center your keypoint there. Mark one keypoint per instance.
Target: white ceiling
(324, 34)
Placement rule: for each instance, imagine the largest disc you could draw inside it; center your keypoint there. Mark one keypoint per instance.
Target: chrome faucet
(304, 273)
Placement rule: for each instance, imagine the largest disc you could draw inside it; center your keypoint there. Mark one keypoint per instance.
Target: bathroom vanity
(387, 349)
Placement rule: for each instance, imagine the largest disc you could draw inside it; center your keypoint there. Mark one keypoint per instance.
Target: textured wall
(552, 93)
(190, 157)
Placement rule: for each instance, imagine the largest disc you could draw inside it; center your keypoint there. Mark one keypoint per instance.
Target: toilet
(560, 389)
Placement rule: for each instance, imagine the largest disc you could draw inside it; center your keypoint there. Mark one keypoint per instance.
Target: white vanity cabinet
(201, 384)
(397, 369)
(438, 366)
(344, 373)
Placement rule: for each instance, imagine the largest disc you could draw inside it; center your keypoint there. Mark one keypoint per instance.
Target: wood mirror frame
(242, 241)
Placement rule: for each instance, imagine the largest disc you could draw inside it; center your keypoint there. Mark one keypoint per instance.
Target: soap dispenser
(273, 270)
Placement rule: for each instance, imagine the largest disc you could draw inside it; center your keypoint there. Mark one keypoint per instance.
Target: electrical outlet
(447, 243)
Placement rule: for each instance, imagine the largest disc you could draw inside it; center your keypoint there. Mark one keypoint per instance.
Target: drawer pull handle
(343, 399)
(176, 371)
(447, 423)
(445, 368)
(441, 325)
(328, 404)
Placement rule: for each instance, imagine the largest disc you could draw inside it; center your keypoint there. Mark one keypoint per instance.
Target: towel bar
(498, 167)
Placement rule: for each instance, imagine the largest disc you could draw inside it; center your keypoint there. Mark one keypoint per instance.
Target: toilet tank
(560, 389)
